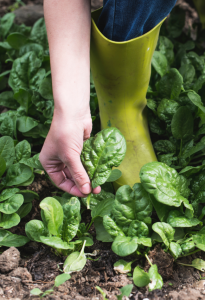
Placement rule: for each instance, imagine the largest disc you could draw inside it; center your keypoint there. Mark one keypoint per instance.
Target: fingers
(78, 174)
(96, 190)
(64, 183)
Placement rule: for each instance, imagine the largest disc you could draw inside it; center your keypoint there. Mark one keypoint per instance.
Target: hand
(60, 155)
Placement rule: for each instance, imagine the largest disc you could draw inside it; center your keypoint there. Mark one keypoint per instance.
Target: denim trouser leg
(122, 20)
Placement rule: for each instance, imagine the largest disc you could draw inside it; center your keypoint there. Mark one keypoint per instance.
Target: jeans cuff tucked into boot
(122, 20)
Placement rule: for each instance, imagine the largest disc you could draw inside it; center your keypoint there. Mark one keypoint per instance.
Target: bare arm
(68, 27)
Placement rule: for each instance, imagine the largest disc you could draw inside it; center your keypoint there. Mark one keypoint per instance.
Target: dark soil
(35, 265)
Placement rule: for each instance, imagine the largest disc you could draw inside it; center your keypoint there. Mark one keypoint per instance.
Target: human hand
(60, 155)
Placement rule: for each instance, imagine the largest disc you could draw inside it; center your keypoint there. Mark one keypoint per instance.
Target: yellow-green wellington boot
(121, 73)
(200, 6)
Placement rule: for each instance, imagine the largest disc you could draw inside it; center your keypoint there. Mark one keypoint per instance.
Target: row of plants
(173, 187)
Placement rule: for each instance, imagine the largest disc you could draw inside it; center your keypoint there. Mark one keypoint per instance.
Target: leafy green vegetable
(101, 153)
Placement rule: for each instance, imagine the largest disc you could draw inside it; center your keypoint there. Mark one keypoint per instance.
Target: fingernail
(86, 189)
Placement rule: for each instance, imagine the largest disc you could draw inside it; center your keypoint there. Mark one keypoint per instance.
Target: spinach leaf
(169, 86)
(182, 123)
(165, 184)
(101, 153)
(8, 239)
(26, 72)
(177, 219)
(165, 231)
(53, 214)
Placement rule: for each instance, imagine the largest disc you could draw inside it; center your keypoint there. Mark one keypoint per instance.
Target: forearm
(68, 27)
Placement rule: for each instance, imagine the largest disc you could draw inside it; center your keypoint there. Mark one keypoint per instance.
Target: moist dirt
(36, 266)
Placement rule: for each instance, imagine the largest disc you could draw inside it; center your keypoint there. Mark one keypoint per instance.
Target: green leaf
(131, 204)
(6, 23)
(23, 97)
(115, 175)
(75, 262)
(164, 146)
(198, 187)
(199, 241)
(102, 208)
(196, 99)
(71, 219)
(7, 193)
(101, 153)
(38, 33)
(182, 123)
(53, 214)
(7, 127)
(189, 170)
(12, 204)
(35, 229)
(7, 100)
(165, 184)
(176, 22)
(95, 199)
(101, 232)
(36, 292)
(8, 221)
(188, 72)
(60, 279)
(8, 239)
(197, 263)
(24, 123)
(45, 88)
(198, 147)
(140, 277)
(124, 245)
(169, 86)
(125, 291)
(122, 266)
(37, 48)
(26, 72)
(55, 242)
(16, 40)
(187, 247)
(7, 150)
(28, 195)
(22, 150)
(33, 162)
(166, 48)
(167, 109)
(155, 277)
(175, 249)
(176, 219)
(2, 167)
(18, 174)
(111, 227)
(138, 228)
(24, 210)
(160, 63)
(165, 231)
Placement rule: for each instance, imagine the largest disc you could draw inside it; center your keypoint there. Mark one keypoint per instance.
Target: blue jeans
(122, 20)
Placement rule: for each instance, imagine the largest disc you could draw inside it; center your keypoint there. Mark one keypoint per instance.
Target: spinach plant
(59, 226)
(60, 279)
(15, 203)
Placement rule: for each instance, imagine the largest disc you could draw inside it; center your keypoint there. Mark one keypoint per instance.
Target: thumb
(79, 175)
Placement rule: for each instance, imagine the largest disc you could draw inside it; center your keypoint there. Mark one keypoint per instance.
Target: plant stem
(88, 201)
(90, 224)
(189, 253)
(149, 261)
(180, 152)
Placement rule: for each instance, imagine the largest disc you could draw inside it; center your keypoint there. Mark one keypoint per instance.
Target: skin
(68, 27)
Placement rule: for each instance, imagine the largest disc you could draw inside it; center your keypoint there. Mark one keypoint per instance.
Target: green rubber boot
(121, 73)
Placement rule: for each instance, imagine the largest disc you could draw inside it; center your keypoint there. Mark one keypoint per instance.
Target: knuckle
(79, 177)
